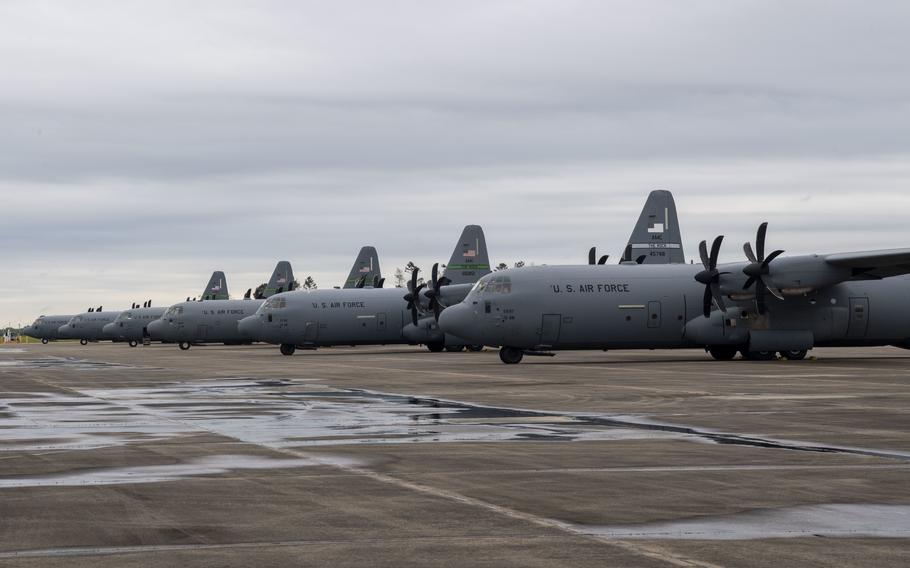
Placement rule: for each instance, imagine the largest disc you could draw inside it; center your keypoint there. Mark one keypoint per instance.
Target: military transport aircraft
(47, 328)
(132, 324)
(364, 316)
(765, 305)
(88, 326)
(215, 321)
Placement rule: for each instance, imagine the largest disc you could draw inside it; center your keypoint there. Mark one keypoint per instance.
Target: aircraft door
(550, 326)
(859, 318)
(654, 314)
(311, 331)
(381, 325)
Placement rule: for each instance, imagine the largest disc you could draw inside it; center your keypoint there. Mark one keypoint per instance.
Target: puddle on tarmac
(275, 414)
(831, 520)
(68, 363)
(210, 465)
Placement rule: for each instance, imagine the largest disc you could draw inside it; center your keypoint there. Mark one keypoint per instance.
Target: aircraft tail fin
(365, 268)
(656, 235)
(217, 288)
(470, 260)
(282, 280)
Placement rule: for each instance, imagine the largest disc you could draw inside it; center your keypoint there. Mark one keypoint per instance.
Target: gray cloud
(144, 144)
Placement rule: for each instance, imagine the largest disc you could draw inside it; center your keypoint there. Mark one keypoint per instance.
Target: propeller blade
(715, 250)
(592, 255)
(718, 297)
(774, 292)
(434, 275)
(771, 257)
(706, 302)
(603, 259)
(627, 254)
(760, 297)
(381, 282)
(760, 240)
(749, 282)
(703, 253)
(413, 314)
(747, 248)
(249, 292)
(641, 259)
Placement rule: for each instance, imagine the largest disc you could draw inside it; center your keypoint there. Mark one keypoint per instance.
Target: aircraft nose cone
(458, 320)
(155, 329)
(249, 327)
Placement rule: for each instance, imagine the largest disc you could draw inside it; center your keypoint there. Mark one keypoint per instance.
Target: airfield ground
(236, 456)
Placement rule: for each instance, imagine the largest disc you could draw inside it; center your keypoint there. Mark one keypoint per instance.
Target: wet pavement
(238, 456)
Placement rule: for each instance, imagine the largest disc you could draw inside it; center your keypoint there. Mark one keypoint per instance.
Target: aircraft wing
(873, 265)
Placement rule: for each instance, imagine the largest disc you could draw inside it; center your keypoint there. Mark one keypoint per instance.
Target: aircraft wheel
(288, 348)
(436, 347)
(510, 355)
(795, 355)
(758, 355)
(455, 348)
(723, 352)
(183, 345)
(44, 340)
(475, 348)
(133, 343)
(83, 342)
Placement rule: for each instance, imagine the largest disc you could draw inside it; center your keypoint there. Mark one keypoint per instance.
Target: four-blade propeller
(758, 268)
(592, 257)
(710, 276)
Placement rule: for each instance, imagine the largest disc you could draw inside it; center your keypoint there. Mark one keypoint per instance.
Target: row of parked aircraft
(766, 305)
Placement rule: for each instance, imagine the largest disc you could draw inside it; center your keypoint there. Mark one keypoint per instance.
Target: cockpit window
(174, 310)
(494, 285)
(275, 303)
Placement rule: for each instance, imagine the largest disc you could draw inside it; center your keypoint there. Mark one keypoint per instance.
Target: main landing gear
(288, 349)
(510, 355)
(133, 343)
(728, 352)
(83, 342)
(44, 340)
(183, 345)
(436, 347)
(723, 352)
(795, 355)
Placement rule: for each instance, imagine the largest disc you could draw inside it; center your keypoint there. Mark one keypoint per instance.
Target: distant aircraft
(361, 316)
(761, 307)
(88, 326)
(132, 324)
(215, 321)
(47, 328)
(365, 272)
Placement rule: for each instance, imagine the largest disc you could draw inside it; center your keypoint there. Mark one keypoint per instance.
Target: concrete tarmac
(238, 456)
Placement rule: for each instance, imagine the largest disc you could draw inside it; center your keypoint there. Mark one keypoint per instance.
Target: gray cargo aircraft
(215, 321)
(365, 273)
(88, 326)
(47, 328)
(132, 324)
(363, 316)
(763, 306)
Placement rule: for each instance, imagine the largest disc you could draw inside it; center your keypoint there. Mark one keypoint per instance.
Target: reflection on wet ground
(210, 465)
(68, 363)
(833, 520)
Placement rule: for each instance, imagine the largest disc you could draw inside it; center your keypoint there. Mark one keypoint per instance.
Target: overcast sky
(145, 144)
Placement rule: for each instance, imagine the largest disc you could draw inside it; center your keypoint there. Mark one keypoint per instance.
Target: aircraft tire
(758, 355)
(436, 347)
(183, 345)
(795, 355)
(83, 342)
(723, 352)
(510, 355)
(44, 340)
(133, 343)
(475, 348)
(287, 349)
(455, 348)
